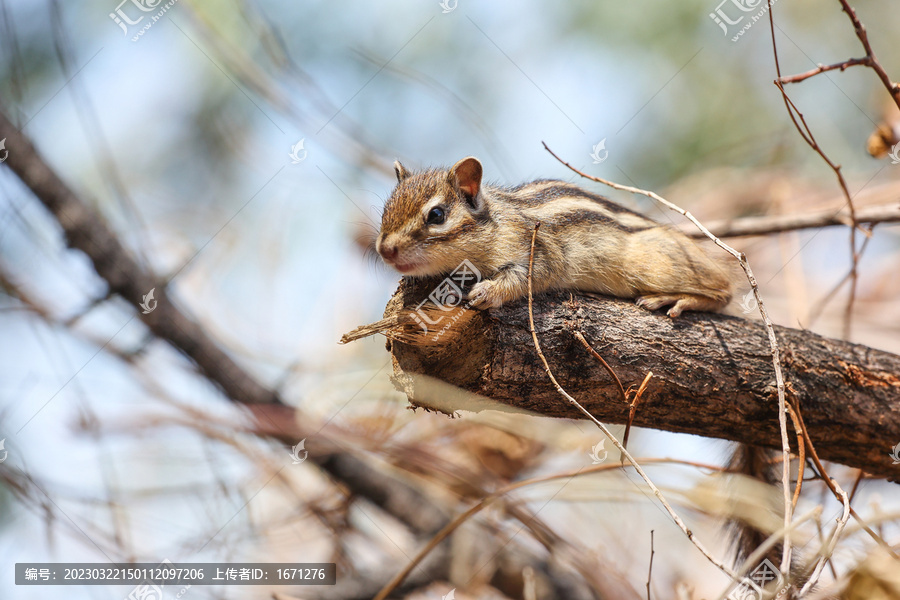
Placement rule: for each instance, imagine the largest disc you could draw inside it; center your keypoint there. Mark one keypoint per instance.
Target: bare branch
(773, 343)
(619, 446)
(829, 547)
(86, 230)
(650, 569)
(866, 61)
(860, 29)
(765, 225)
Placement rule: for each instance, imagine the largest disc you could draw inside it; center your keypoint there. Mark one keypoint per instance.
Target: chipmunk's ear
(466, 174)
(400, 170)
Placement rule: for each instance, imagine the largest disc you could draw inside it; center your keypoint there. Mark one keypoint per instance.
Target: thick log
(712, 373)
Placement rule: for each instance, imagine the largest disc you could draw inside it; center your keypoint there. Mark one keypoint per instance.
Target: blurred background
(243, 150)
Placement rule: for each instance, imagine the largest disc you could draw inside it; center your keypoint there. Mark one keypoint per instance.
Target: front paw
(485, 294)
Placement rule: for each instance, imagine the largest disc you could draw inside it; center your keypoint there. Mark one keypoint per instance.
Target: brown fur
(586, 242)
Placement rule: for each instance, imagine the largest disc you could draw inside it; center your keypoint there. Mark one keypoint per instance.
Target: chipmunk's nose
(388, 251)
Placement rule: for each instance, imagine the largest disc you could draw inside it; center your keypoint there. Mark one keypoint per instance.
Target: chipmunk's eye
(436, 216)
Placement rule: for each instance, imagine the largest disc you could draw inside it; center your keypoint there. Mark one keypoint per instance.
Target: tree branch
(711, 373)
(86, 230)
(866, 61)
(764, 225)
(860, 29)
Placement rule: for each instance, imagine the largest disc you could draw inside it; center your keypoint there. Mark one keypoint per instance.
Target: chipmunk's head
(431, 220)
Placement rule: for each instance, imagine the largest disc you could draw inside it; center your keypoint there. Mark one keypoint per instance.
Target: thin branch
(859, 476)
(866, 61)
(87, 231)
(770, 329)
(603, 428)
(765, 225)
(808, 137)
(835, 489)
(760, 553)
(820, 307)
(860, 29)
(431, 545)
(650, 569)
(595, 354)
(632, 406)
(894, 90)
(829, 548)
(801, 454)
(490, 498)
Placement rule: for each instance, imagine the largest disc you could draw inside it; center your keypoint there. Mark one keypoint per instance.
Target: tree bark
(712, 373)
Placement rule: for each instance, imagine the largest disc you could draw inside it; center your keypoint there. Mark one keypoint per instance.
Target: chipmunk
(435, 219)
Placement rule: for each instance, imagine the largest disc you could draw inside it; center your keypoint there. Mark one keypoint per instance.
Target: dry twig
(87, 231)
(829, 548)
(860, 29)
(632, 406)
(650, 569)
(801, 454)
(768, 224)
(600, 359)
(807, 135)
(461, 518)
(835, 490)
(537, 346)
(759, 554)
(852, 62)
(869, 60)
(770, 329)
